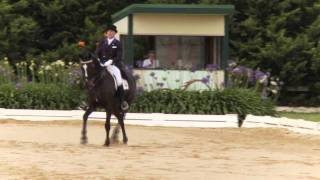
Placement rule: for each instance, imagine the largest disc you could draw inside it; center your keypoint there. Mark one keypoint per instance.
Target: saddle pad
(125, 84)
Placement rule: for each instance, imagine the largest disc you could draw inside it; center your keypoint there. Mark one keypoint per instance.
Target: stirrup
(124, 106)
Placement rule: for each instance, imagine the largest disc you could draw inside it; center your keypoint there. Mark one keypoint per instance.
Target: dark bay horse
(101, 91)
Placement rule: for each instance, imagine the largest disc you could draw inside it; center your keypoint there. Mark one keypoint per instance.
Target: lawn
(306, 116)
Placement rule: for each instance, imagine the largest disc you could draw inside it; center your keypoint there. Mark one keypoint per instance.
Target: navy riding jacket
(112, 51)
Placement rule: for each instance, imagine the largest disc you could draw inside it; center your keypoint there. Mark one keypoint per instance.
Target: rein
(95, 78)
(86, 62)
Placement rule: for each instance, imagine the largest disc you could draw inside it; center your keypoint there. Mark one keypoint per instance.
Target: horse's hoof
(240, 123)
(84, 141)
(107, 144)
(125, 141)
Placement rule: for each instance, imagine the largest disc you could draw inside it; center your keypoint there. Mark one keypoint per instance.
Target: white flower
(263, 79)
(33, 63)
(273, 83)
(232, 64)
(5, 61)
(274, 91)
(60, 63)
(47, 67)
(56, 74)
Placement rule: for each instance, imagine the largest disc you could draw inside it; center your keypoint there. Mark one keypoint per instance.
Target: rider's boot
(123, 104)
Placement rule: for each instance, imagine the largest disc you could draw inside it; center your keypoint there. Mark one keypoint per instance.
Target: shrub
(233, 100)
(39, 96)
(52, 96)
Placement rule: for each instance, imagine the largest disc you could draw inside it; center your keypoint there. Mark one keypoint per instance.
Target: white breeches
(115, 71)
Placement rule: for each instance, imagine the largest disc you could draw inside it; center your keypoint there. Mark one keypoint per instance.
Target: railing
(171, 120)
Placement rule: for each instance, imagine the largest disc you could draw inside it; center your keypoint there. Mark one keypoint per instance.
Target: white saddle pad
(125, 84)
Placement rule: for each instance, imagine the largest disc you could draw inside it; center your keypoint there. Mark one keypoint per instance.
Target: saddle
(123, 75)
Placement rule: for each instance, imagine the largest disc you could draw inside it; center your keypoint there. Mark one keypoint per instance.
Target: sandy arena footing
(51, 150)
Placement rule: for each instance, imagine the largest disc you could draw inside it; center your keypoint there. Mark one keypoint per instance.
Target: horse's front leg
(84, 139)
(107, 128)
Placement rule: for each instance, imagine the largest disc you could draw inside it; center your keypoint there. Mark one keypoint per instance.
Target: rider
(109, 50)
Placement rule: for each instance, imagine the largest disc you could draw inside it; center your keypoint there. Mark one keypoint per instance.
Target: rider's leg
(120, 92)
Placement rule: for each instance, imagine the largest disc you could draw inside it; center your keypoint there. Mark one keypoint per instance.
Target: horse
(101, 93)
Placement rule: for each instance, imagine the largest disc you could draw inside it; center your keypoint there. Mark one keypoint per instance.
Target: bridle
(85, 66)
(90, 81)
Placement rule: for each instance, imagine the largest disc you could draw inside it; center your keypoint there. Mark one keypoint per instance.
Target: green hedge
(240, 101)
(53, 96)
(39, 96)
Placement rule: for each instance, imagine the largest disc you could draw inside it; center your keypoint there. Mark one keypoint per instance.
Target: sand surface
(51, 150)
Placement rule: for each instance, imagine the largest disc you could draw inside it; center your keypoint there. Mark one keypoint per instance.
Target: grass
(306, 116)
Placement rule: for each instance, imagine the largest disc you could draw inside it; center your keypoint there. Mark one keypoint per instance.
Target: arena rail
(169, 120)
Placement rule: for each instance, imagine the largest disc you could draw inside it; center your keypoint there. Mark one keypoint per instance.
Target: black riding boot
(123, 104)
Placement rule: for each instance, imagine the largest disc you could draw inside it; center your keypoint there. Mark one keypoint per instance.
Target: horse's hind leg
(107, 127)
(121, 122)
(84, 139)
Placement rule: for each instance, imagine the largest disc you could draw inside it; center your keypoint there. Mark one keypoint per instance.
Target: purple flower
(193, 69)
(258, 75)
(139, 63)
(240, 70)
(160, 84)
(18, 85)
(129, 67)
(250, 75)
(205, 80)
(251, 79)
(212, 67)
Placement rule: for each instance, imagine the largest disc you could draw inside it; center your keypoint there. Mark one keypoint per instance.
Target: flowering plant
(6, 72)
(262, 82)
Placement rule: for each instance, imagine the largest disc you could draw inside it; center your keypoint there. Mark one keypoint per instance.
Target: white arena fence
(168, 120)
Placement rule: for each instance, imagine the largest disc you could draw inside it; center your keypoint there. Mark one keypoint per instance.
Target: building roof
(173, 9)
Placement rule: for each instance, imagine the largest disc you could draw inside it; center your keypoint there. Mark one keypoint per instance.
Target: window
(182, 52)
(177, 52)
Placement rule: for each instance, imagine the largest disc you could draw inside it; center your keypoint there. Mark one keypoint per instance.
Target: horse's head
(90, 67)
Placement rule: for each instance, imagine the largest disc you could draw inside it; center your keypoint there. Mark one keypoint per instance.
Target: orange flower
(81, 43)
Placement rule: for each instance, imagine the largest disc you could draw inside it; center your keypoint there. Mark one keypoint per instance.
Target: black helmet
(112, 28)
